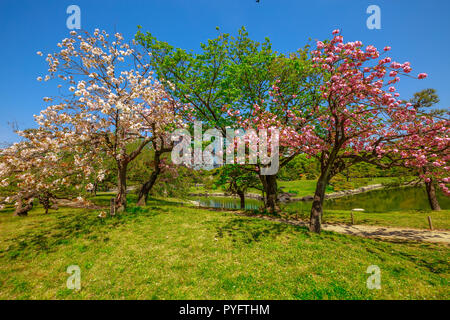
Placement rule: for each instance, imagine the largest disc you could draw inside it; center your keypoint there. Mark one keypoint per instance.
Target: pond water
(394, 199)
(407, 198)
(228, 203)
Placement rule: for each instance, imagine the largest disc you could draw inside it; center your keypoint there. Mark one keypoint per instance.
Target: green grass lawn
(307, 187)
(201, 189)
(408, 218)
(167, 251)
(300, 187)
(374, 180)
(303, 187)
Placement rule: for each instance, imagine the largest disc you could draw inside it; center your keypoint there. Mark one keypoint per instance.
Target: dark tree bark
(432, 199)
(24, 204)
(122, 166)
(329, 168)
(315, 223)
(121, 198)
(94, 191)
(242, 197)
(270, 187)
(269, 183)
(148, 185)
(45, 199)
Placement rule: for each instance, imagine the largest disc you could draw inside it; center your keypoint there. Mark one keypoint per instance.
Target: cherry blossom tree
(358, 118)
(429, 142)
(112, 100)
(43, 166)
(433, 141)
(289, 139)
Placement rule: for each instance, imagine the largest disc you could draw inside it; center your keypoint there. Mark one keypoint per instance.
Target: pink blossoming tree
(359, 117)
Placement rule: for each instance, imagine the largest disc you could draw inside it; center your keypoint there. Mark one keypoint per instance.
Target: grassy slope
(168, 252)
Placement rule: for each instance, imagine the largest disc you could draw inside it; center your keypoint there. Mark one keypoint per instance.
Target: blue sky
(417, 31)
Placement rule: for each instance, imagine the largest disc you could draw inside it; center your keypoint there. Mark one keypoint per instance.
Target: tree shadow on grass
(434, 264)
(159, 202)
(248, 231)
(64, 228)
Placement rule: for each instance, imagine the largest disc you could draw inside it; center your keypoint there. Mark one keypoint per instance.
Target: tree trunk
(432, 199)
(269, 183)
(121, 198)
(45, 201)
(242, 197)
(315, 223)
(147, 186)
(95, 189)
(21, 209)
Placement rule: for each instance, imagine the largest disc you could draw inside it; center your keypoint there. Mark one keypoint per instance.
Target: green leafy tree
(234, 74)
(237, 179)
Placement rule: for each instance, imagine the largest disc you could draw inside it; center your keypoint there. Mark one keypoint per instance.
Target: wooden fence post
(429, 222)
(355, 210)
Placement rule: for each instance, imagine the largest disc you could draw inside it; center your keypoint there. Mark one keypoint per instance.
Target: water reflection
(408, 198)
(228, 203)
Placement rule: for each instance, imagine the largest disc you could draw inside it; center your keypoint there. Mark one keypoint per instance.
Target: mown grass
(417, 219)
(403, 219)
(303, 187)
(407, 219)
(307, 187)
(168, 251)
(300, 187)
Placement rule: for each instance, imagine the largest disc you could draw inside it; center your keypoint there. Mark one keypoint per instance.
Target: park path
(379, 232)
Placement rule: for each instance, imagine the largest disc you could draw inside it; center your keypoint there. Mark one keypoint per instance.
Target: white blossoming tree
(42, 166)
(112, 100)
